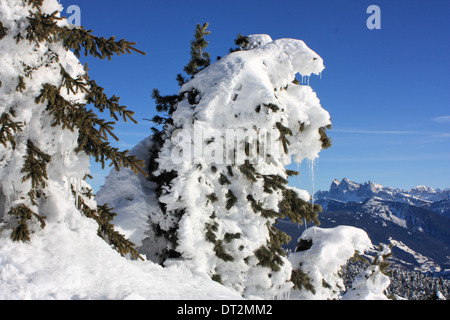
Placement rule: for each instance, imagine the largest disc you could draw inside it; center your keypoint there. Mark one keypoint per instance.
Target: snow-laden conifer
(218, 167)
(48, 127)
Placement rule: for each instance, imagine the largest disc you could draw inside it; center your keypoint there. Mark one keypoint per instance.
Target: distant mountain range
(422, 196)
(417, 221)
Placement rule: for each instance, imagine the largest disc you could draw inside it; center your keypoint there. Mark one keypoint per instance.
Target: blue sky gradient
(387, 90)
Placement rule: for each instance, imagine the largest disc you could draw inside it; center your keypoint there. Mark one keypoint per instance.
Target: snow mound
(369, 285)
(131, 196)
(68, 261)
(331, 249)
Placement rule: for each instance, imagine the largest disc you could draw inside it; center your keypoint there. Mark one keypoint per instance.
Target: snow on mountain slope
(410, 219)
(421, 196)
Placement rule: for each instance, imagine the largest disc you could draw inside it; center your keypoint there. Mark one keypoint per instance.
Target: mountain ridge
(346, 190)
(416, 221)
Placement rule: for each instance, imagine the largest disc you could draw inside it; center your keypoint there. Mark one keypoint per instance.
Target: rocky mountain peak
(349, 191)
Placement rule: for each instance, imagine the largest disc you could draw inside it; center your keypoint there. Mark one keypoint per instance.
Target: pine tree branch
(42, 27)
(35, 168)
(326, 141)
(104, 217)
(23, 214)
(2, 31)
(232, 200)
(8, 128)
(298, 210)
(77, 39)
(35, 3)
(72, 85)
(284, 132)
(199, 58)
(91, 140)
(101, 102)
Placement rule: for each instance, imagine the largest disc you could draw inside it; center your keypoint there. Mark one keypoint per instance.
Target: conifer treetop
(199, 58)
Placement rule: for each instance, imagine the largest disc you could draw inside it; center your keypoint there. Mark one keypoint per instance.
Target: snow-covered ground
(69, 261)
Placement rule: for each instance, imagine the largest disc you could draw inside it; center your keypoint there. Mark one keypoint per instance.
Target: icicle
(299, 183)
(75, 184)
(66, 181)
(254, 284)
(312, 180)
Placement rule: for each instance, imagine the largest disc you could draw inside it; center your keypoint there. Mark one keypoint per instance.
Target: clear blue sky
(387, 90)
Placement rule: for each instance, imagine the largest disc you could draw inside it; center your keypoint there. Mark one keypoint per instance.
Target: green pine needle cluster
(298, 210)
(8, 128)
(326, 141)
(302, 281)
(35, 169)
(79, 39)
(2, 31)
(104, 216)
(381, 260)
(284, 134)
(23, 214)
(199, 58)
(93, 131)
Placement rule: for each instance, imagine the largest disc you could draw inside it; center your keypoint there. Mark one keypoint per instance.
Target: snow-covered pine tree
(219, 163)
(48, 127)
(165, 105)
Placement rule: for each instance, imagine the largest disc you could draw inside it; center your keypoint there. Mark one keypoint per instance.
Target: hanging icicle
(299, 182)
